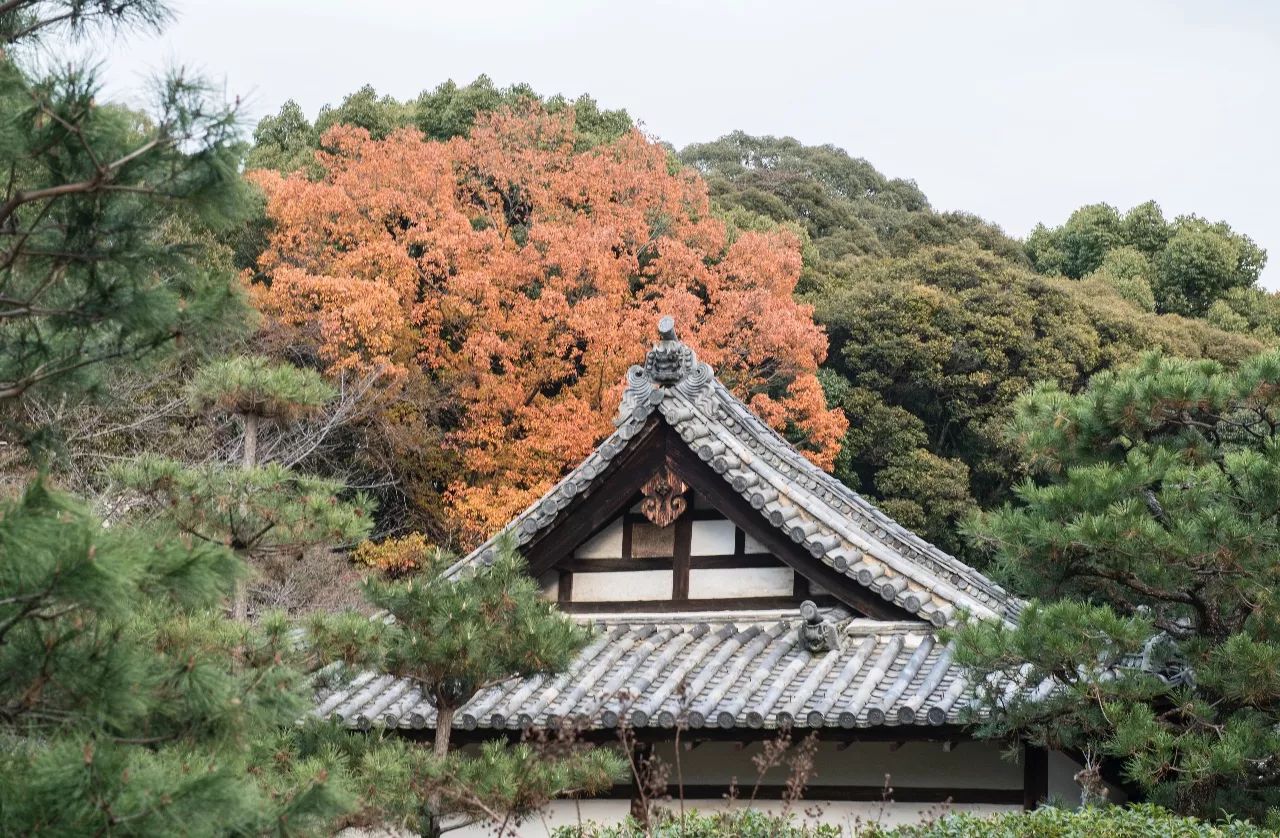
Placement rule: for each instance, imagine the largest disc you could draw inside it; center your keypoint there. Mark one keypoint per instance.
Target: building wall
(914, 765)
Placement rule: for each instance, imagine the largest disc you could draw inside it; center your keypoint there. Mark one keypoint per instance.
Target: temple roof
(838, 527)
(712, 670)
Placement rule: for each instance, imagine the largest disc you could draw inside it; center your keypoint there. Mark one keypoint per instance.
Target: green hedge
(744, 823)
(1108, 822)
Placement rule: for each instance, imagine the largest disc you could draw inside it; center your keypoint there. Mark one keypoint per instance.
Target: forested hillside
(247, 388)
(935, 321)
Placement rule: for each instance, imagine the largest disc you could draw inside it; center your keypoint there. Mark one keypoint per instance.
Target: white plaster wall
(740, 582)
(623, 585)
(751, 546)
(606, 544)
(711, 538)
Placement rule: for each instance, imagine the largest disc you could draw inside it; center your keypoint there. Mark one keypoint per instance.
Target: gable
(652, 557)
(676, 416)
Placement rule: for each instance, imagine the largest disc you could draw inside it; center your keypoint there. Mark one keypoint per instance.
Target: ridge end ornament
(664, 500)
(670, 360)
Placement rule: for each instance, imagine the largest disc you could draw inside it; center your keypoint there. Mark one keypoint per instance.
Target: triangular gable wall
(676, 415)
(684, 555)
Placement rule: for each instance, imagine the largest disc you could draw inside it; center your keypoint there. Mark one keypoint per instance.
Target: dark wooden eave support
(1035, 776)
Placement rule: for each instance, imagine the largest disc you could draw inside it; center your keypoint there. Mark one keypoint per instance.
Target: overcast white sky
(1017, 111)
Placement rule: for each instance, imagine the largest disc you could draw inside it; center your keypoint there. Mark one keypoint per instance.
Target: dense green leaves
(287, 142)
(119, 700)
(930, 352)
(743, 823)
(458, 636)
(248, 510)
(259, 387)
(1189, 263)
(848, 209)
(1142, 821)
(936, 325)
(1154, 530)
(104, 214)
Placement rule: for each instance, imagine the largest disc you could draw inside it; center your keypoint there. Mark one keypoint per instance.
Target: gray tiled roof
(712, 670)
(836, 525)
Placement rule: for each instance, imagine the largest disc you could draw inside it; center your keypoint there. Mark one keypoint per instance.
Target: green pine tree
(128, 704)
(255, 390)
(1151, 537)
(274, 508)
(456, 637)
(252, 510)
(105, 211)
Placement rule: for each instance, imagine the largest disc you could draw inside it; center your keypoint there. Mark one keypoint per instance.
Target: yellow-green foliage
(395, 556)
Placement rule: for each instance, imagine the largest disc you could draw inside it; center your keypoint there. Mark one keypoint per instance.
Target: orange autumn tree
(523, 278)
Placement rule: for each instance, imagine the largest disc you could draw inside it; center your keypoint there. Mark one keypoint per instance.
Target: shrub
(1142, 821)
(395, 557)
(743, 823)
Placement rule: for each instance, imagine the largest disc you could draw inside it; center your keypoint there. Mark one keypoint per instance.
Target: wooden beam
(1035, 776)
(666, 606)
(627, 536)
(686, 464)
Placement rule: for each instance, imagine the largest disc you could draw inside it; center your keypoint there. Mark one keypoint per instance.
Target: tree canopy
(521, 276)
(287, 141)
(106, 212)
(930, 352)
(1188, 263)
(1150, 537)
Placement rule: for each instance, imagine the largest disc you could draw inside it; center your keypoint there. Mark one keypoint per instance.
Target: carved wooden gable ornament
(664, 499)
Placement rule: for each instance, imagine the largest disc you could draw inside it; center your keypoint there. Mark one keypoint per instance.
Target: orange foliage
(524, 278)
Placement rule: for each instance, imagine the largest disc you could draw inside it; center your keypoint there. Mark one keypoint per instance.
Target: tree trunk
(240, 602)
(240, 597)
(444, 729)
(250, 440)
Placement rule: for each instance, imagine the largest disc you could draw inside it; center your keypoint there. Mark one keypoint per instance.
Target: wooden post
(1035, 776)
(680, 560)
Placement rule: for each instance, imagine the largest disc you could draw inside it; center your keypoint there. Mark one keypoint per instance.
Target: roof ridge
(835, 524)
